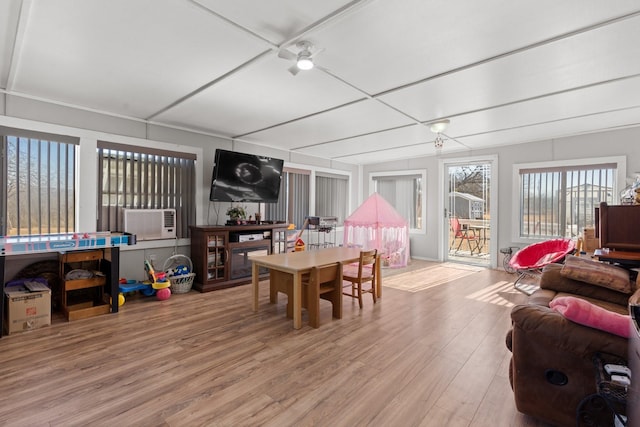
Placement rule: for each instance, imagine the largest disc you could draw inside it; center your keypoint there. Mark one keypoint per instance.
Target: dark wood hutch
(221, 254)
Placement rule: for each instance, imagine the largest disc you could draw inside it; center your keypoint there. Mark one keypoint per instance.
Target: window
(141, 178)
(293, 200)
(293, 206)
(404, 191)
(39, 172)
(332, 195)
(560, 201)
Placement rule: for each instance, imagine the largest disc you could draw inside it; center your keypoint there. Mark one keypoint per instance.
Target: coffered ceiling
(503, 72)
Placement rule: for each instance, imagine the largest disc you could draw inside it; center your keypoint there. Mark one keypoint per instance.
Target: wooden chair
(280, 282)
(325, 282)
(362, 272)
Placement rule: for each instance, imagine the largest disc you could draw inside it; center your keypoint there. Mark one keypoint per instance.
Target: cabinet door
(217, 257)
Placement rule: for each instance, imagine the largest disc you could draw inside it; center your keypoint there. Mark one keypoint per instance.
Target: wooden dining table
(299, 263)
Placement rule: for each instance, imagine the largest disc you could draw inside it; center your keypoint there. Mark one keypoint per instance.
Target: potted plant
(237, 213)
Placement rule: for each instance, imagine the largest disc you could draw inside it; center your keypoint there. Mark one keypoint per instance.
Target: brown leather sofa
(552, 369)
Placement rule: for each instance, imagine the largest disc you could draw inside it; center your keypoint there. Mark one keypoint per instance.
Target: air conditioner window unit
(150, 224)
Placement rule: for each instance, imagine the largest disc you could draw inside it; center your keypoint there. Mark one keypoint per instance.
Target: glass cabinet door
(216, 257)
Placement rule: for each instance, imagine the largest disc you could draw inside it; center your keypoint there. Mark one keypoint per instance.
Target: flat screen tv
(241, 177)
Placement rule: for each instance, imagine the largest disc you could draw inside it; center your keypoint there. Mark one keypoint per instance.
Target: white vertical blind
(561, 201)
(293, 200)
(137, 178)
(404, 193)
(332, 196)
(38, 176)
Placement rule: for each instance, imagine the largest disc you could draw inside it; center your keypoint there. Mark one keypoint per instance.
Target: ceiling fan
(303, 59)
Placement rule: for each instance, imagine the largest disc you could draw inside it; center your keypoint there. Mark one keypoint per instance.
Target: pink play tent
(376, 224)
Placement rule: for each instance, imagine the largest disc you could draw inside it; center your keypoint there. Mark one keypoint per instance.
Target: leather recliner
(552, 369)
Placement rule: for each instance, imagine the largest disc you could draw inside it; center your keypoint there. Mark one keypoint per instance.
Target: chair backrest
(367, 258)
(326, 274)
(454, 222)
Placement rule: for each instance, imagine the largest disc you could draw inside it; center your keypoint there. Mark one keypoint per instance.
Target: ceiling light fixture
(439, 126)
(304, 60)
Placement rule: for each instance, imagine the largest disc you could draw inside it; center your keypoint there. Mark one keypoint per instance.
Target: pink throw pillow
(588, 314)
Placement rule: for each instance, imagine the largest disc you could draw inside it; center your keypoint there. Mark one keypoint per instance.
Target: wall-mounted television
(241, 177)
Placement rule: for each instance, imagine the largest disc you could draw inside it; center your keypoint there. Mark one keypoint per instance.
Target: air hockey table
(24, 246)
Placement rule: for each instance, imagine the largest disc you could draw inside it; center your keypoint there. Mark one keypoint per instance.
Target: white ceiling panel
(615, 96)
(243, 103)
(582, 60)
(557, 129)
(275, 20)
(415, 39)
(402, 153)
(406, 136)
(356, 119)
(503, 72)
(129, 57)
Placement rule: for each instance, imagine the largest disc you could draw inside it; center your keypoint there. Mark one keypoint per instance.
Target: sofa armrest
(551, 368)
(551, 279)
(552, 330)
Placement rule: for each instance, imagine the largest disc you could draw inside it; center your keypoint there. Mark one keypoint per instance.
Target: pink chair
(530, 260)
(464, 234)
(359, 273)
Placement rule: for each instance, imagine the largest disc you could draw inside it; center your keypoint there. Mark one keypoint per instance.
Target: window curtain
(278, 211)
(299, 203)
(293, 200)
(400, 192)
(331, 197)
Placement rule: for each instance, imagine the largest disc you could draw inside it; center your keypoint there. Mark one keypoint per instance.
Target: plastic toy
(179, 271)
(157, 285)
(128, 286)
(159, 281)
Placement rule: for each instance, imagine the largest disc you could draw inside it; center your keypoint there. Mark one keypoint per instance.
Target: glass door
(467, 225)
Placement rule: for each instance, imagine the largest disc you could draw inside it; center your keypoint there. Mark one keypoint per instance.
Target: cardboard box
(589, 233)
(591, 243)
(26, 310)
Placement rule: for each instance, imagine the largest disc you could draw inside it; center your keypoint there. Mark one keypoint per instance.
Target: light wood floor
(429, 358)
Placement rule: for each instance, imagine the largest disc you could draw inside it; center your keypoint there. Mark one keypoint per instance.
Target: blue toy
(159, 289)
(134, 285)
(180, 270)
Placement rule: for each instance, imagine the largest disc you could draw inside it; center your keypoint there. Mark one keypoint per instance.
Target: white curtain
(400, 192)
(331, 197)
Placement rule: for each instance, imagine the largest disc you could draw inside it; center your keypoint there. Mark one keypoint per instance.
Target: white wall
(24, 113)
(91, 126)
(624, 142)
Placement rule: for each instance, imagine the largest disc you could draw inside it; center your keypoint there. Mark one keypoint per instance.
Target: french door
(469, 198)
